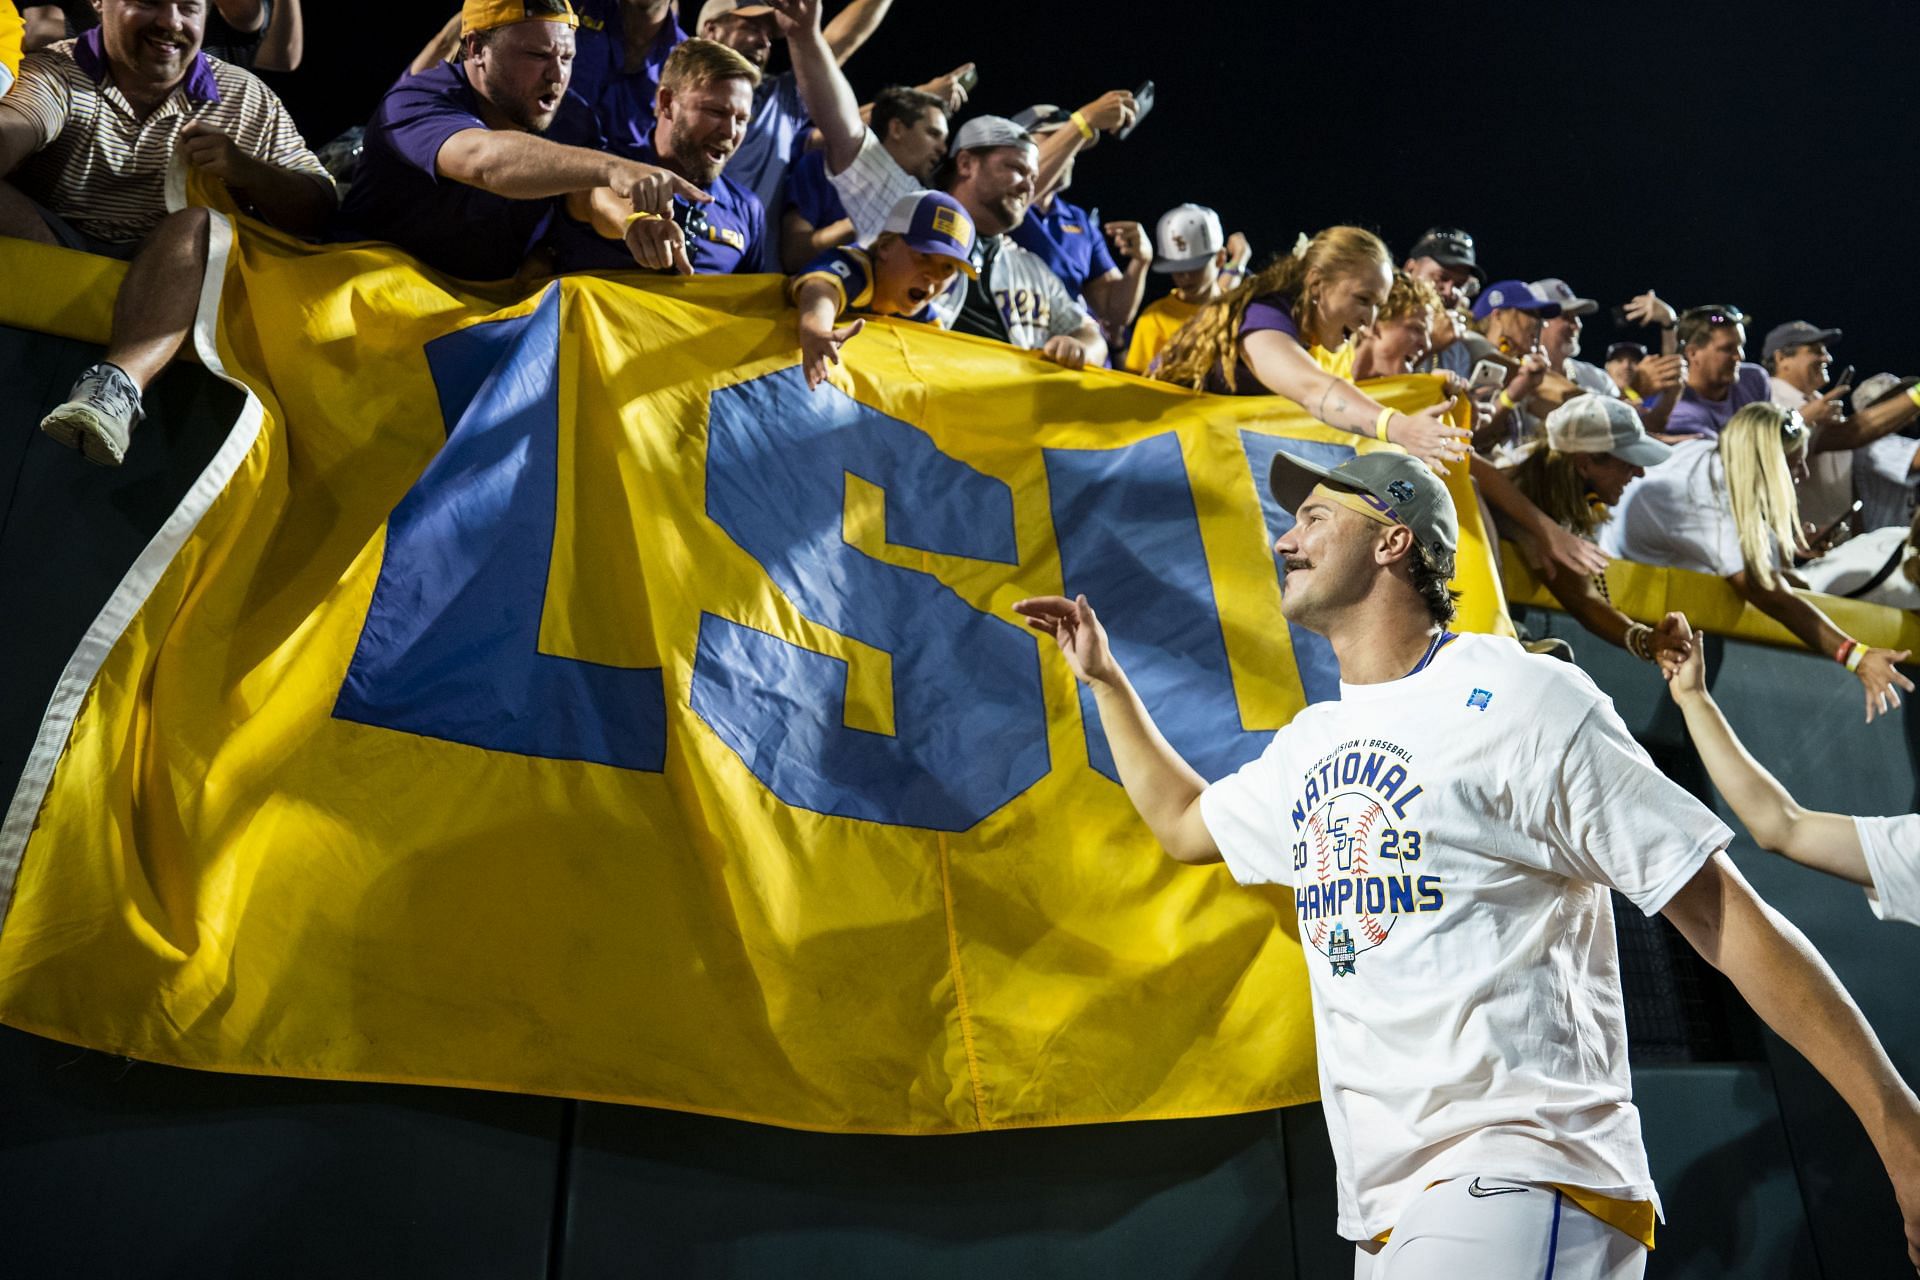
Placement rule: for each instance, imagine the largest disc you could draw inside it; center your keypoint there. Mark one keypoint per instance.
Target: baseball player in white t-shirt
(1880, 854)
(1451, 827)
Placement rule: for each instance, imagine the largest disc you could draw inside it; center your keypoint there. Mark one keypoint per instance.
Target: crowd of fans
(530, 137)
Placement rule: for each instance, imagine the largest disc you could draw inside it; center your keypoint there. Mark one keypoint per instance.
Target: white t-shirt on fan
(1451, 837)
(1679, 514)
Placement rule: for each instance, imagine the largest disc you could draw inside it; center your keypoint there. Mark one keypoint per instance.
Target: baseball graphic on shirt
(1354, 914)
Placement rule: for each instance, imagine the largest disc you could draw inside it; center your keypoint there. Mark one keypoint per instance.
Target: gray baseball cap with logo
(1405, 488)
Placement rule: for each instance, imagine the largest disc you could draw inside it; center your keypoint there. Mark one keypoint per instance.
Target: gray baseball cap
(990, 131)
(1404, 487)
(1554, 289)
(1794, 333)
(1601, 424)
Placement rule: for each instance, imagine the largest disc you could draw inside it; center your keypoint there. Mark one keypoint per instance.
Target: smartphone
(969, 78)
(1142, 103)
(1822, 542)
(1621, 320)
(1845, 379)
(1487, 375)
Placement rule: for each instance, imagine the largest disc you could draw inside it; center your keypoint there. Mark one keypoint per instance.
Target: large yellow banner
(550, 693)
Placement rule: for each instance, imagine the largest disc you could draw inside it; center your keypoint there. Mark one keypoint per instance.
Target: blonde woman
(1595, 446)
(1726, 506)
(1286, 331)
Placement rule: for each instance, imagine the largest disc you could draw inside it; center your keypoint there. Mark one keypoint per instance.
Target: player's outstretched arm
(1162, 786)
(1826, 842)
(1780, 974)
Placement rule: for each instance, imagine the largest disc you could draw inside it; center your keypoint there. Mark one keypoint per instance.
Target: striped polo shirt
(102, 167)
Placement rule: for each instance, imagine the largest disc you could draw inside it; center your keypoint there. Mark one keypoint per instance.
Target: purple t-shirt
(1697, 416)
(1068, 240)
(399, 196)
(622, 99)
(1268, 311)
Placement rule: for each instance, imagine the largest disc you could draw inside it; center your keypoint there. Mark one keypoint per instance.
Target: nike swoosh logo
(1475, 1189)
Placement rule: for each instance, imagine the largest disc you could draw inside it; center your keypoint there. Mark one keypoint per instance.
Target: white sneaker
(98, 417)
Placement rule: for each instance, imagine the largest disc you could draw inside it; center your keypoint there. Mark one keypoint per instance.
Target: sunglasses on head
(694, 227)
(1715, 315)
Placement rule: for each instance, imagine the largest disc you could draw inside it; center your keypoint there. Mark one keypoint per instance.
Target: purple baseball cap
(933, 222)
(1517, 295)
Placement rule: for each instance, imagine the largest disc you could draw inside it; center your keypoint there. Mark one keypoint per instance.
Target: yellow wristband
(1080, 123)
(1380, 424)
(1854, 658)
(1506, 401)
(636, 217)
(1913, 393)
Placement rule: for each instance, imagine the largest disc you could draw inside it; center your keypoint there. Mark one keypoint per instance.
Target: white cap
(1554, 289)
(1185, 238)
(721, 8)
(1879, 387)
(1601, 424)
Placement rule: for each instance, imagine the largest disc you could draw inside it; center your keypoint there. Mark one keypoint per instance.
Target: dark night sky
(1763, 154)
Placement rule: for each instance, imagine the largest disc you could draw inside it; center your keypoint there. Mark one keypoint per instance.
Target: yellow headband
(1354, 502)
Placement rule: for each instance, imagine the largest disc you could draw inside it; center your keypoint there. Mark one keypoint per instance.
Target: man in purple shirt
(705, 100)
(1719, 380)
(465, 162)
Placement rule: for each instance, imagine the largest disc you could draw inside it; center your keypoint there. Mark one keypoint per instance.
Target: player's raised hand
(1077, 630)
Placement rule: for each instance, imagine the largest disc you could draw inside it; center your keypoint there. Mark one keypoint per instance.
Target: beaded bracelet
(1639, 641)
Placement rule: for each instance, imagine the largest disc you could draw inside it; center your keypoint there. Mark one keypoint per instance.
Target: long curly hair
(1550, 481)
(1760, 490)
(1211, 339)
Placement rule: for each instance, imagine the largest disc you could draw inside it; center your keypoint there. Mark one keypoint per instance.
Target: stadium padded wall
(114, 1167)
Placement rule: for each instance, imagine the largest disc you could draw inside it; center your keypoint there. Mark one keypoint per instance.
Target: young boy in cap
(1203, 263)
(927, 238)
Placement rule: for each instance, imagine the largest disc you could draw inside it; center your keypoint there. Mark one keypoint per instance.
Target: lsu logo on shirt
(1024, 306)
(1358, 862)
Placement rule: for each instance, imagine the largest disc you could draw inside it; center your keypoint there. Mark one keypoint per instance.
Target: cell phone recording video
(1142, 103)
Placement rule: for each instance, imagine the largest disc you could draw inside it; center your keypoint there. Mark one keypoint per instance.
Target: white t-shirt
(1678, 514)
(1034, 303)
(1853, 563)
(1827, 491)
(871, 184)
(1892, 846)
(1591, 378)
(1450, 837)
